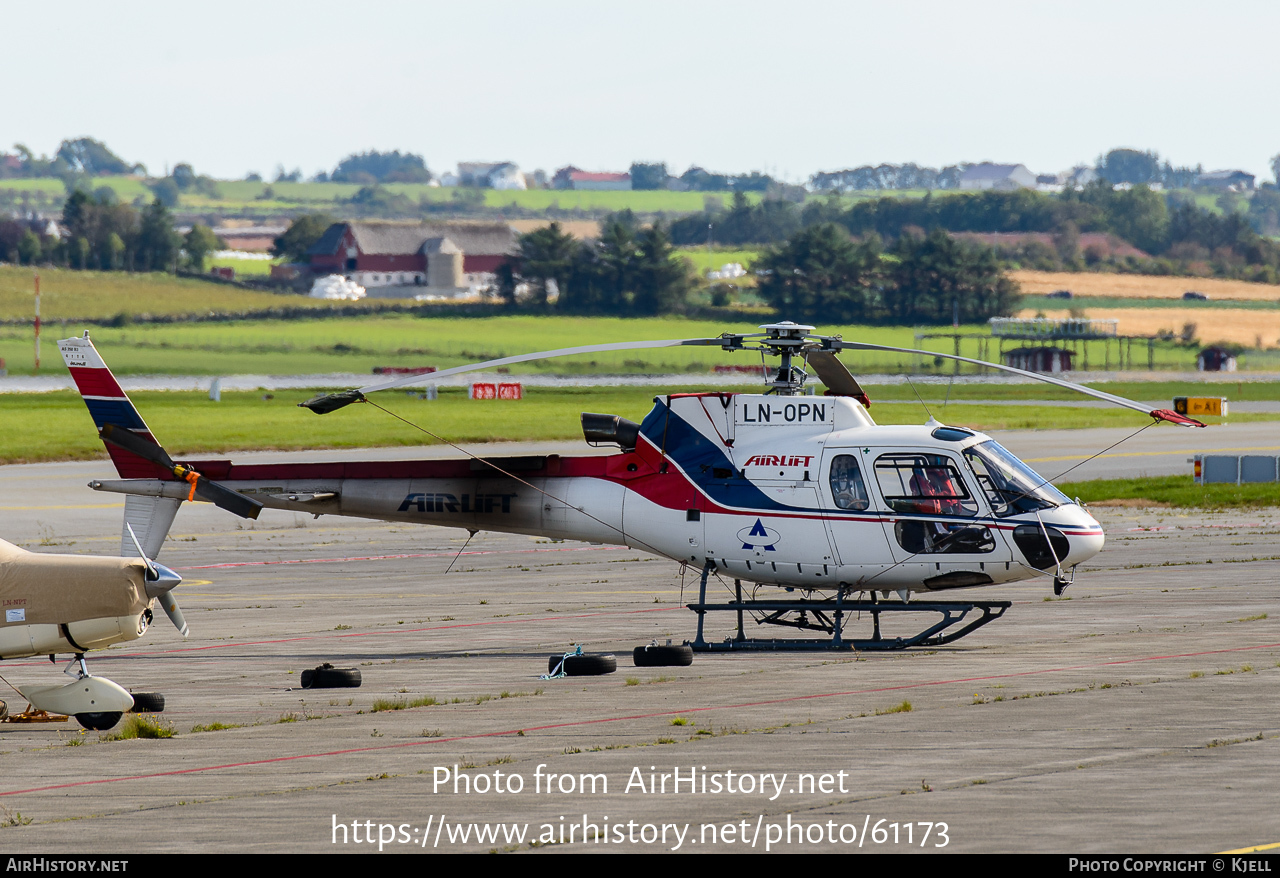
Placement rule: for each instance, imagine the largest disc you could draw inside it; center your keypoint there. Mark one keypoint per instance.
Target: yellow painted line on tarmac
(81, 506)
(1149, 453)
(1253, 850)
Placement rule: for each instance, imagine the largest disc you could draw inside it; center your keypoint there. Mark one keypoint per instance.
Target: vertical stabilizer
(150, 518)
(108, 404)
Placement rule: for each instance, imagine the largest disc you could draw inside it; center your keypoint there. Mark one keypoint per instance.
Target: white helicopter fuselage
(798, 491)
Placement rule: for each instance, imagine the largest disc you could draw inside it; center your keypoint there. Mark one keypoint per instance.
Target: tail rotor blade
(134, 443)
(225, 498)
(220, 496)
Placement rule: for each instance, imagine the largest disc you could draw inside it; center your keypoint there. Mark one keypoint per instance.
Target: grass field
(67, 294)
(1140, 286)
(243, 267)
(290, 347)
(56, 426)
(1179, 492)
(248, 197)
(1251, 327)
(704, 260)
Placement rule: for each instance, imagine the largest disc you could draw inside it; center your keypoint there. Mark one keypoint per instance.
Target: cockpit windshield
(1011, 485)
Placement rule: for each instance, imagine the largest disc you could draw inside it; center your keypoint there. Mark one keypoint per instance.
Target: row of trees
(627, 271)
(822, 275)
(1176, 233)
(81, 156)
(105, 235)
(819, 274)
(1131, 166)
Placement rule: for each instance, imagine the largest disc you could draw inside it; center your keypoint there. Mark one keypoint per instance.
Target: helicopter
(779, 489)
(75, 603)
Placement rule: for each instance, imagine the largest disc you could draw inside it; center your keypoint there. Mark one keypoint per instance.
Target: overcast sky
(789, 88)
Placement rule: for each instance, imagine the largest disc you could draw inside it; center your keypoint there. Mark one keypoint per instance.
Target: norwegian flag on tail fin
(109, 404)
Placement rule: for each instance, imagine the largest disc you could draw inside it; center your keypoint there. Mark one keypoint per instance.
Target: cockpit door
(940, 528)
(852, 516)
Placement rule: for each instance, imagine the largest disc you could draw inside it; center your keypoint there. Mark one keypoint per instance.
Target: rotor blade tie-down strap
(559, 671)
(191, 476)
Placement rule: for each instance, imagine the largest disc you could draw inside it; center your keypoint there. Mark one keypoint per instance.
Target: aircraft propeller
(218, 495)
(160, 582)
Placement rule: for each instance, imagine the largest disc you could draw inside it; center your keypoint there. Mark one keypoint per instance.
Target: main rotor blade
(333, 401)
(543, 355)
(835, 375)
(1158, 414)
(175, 615)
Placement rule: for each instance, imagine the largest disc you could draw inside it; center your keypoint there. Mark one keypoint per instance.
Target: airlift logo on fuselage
(785, 413)
(779, 460)
(452, 503)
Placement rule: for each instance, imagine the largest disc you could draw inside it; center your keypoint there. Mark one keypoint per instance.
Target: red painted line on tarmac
(394, 557)
(614, 719)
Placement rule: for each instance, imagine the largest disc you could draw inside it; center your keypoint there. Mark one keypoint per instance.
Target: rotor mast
(784, 340)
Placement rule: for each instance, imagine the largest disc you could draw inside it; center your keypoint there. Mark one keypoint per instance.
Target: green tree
(542, 260)
(111, 252)
(166, 191)
(382, 167)
(183, 176)
(936, 276)
(821, 275)
(1130, 166)
(199, 243)
(627, 271)
(302, 233)
(648, 176)
(157, 242)
(662, 278)
(29, 250)
(92, 157)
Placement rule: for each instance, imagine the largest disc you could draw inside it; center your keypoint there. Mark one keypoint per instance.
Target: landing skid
(830, 616)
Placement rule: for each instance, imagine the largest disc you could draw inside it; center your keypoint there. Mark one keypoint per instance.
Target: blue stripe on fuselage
(698, 457)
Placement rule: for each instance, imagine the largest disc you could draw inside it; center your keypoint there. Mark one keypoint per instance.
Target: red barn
(377, 254)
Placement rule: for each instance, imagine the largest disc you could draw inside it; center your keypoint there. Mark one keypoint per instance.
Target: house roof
(389, 238)
(432, 246)
(988, 171)
(1224, 175)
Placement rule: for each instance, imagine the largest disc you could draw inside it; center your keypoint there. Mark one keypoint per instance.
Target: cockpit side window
(924, 483)
(930, 484)
(847, 488)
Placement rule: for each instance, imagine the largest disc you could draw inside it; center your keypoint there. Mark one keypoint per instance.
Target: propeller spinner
(159, 584)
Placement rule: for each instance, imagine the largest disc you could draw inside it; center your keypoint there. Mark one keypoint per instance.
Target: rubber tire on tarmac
(586, 665)
(326, 676)
(99, 722)
(662, 656)
(147, 702)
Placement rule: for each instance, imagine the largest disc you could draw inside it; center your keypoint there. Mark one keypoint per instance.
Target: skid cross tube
(830, 615)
